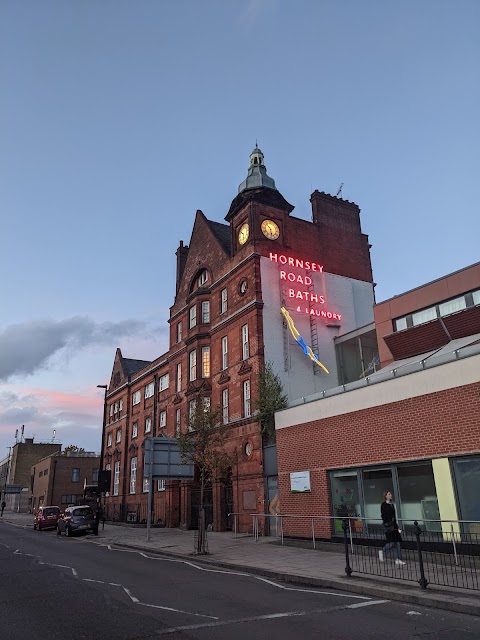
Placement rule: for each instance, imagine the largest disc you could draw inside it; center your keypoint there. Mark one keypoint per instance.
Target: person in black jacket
(392, 532)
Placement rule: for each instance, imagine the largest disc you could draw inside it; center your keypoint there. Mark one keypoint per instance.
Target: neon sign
(299, 279)
(280, 258)
(300, 341)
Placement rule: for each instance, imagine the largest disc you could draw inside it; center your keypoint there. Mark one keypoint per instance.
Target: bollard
(418, 532)
(345, 527)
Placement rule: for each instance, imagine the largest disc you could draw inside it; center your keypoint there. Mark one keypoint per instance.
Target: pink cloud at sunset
(76, 416)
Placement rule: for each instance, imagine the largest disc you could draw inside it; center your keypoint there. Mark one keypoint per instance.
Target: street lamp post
(102, 449)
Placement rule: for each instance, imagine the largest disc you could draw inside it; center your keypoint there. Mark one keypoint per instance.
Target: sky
(120, 118)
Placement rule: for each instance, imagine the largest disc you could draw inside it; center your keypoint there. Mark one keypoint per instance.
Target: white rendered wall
(352, 299)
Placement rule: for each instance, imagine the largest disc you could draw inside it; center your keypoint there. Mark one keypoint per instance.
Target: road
(55, 587)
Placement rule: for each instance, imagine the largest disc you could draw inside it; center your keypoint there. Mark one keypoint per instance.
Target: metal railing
(440, 552)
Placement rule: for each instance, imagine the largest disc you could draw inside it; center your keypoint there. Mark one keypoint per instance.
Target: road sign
(13, 488)
(163, 456)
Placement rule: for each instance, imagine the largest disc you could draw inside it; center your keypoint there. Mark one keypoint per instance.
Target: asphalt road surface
(53, 587)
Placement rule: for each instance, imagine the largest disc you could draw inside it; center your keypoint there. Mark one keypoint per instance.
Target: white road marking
(357, 605)
(270, 616)
(233, 573)
(28, 555)
(62, 566)
(322, 593)
(114, 584)
(4, 545)
(130, 595)
(413, 613)
(90, 580)
(74, 571)
(189, 613)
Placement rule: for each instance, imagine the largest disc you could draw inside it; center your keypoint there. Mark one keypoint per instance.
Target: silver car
(77, 519)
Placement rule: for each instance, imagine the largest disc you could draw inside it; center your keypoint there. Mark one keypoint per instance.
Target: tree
(203, 445)
(271, 398)
(72, 448)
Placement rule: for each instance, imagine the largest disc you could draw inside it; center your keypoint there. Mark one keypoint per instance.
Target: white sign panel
(300, 482)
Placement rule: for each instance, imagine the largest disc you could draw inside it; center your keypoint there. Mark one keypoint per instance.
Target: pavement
(323, 567)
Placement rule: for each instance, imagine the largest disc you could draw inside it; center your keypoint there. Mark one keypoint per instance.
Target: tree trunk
(201, 547)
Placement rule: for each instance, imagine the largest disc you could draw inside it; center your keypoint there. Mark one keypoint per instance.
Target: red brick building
(225, 323)
(412, 427)
(59, 479)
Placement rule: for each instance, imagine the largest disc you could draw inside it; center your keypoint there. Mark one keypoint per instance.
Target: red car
(46, 518)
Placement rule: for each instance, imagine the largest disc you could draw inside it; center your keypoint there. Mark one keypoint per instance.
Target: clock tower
(257, 213)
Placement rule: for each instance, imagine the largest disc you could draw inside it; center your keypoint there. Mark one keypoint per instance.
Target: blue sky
(119, 119)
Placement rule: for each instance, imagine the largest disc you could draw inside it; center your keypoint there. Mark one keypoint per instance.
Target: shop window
(345, 495)
(417, 494)
(467, 480)
(374, 484)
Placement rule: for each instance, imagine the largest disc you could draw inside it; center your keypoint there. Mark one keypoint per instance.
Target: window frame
(224, 353)
(223, 300)
(247, 405)
(206, 370)
(225, 405)
(163, 382)
(192, 316)
(245, 343)
(192, 365)
(148, 425)
(205, 311)
(133, 475)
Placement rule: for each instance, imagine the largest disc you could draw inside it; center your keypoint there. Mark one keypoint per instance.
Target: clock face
(243, 233)
(248, 449)
(270, 229)
(243, 286)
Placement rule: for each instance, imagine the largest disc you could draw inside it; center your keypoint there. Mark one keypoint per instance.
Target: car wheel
(58, 531)
(68, 533)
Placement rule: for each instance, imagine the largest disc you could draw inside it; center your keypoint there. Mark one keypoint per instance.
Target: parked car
(77, 519)
(46, 518)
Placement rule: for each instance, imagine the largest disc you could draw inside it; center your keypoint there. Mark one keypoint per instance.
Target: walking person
(4, 504)
(392, 532)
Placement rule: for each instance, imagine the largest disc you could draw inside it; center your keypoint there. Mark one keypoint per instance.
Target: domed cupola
(257, 173)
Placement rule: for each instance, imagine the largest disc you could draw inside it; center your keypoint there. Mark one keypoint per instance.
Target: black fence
(449, 556)
(135, 513)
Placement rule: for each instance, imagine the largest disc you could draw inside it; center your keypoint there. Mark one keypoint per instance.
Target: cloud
(76, 418)
(28, 346)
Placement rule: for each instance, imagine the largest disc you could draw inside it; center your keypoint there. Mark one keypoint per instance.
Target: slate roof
(130, 367)
(222, 233)
(262, 195)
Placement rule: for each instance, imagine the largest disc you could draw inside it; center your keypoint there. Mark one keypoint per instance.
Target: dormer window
(202, 278)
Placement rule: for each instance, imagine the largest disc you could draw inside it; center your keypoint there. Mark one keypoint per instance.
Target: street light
(102, 449)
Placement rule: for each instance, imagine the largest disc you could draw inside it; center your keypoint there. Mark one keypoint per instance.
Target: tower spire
(257, 173)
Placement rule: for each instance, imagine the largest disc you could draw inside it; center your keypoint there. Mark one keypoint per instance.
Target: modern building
(59, 479)
(15, 471)
(264, 286)
(412, 427)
